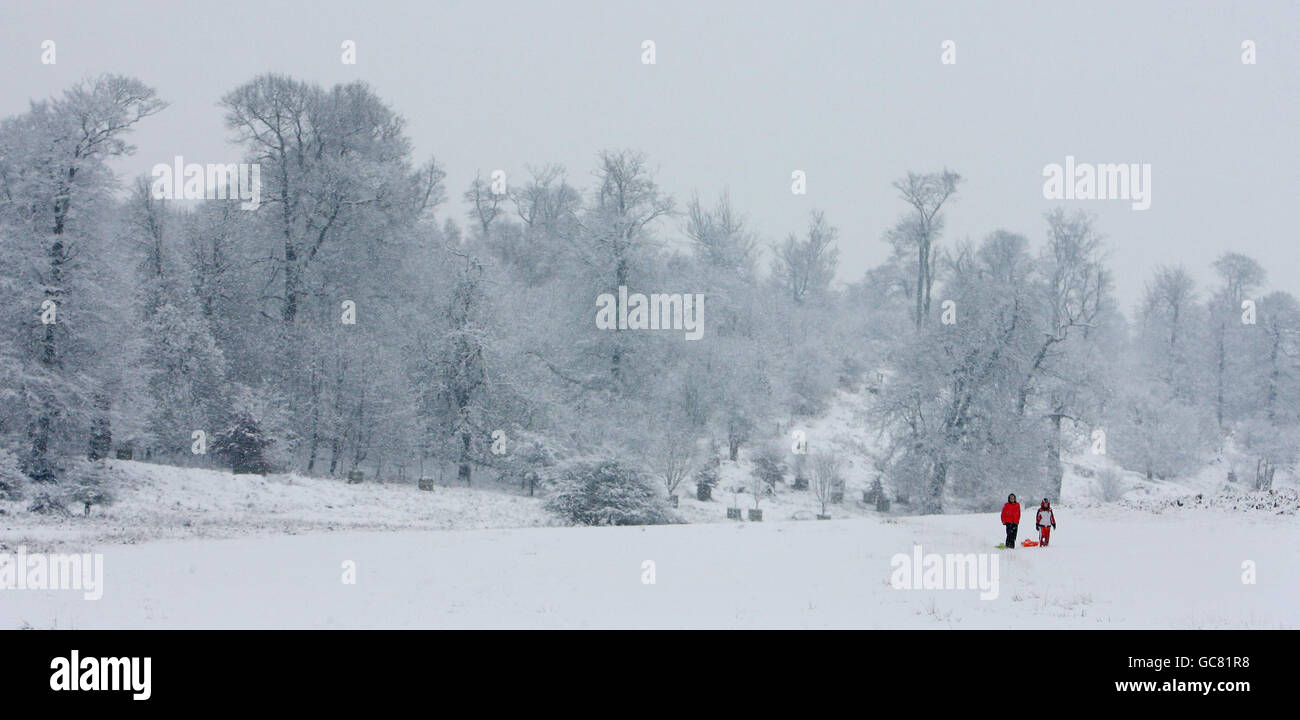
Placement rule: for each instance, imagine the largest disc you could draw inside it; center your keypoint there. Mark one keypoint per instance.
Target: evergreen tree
(243, 444)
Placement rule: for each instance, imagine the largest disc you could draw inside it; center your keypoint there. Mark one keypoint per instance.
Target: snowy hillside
(164, 502)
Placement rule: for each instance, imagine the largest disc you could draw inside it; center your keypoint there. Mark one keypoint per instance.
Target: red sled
(1029, 543)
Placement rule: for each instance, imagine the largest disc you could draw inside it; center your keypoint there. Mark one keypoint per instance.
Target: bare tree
(1281, 326)
(721, 239)
(1074, 283)
(806, 267)
(546, 200)
(926, 194)
(627, 201)
(331, 160)
(485, 205)
(1241, 275)
(674, 458)
(826, 477)
(1166, 316)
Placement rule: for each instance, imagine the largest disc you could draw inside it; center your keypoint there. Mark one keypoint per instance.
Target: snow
(837, 432)
(196, 548)
(163, 502)
(1107, 567)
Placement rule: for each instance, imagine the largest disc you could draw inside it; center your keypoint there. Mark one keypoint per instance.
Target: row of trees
(356, 321)
(1029, 357)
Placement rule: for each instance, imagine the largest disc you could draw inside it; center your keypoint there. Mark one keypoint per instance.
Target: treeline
(355, 322)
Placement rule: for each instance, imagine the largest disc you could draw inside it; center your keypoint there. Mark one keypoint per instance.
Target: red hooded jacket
(1011, 513)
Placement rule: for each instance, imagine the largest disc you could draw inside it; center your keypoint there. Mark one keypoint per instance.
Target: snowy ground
(165, 502)
(186, 547)
(1107, 568)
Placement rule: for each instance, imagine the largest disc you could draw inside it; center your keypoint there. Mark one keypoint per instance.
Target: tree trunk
(921, 263)
(336, 448)
(292, 281)
(463, 472)
(40, 465)
(938, 481)
(1219, 372)
(314, 384)
(1058, 471)
(620, 279)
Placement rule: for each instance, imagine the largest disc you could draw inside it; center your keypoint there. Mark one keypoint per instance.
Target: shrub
(877, 496)
(769, 466)
(242, 445)
(1110, 485)
(706, 479)
(12, 478)
(48, 502)
(88, 485)
(604, 492)
(43, 468)
(852, 370)
(532, 463)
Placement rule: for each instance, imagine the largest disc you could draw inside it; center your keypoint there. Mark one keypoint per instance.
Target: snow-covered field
(192, 548)
(1108, 567)
(165, 502)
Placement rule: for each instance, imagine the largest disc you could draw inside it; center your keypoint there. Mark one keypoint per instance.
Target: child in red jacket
(1045, 521)
(1011, 519)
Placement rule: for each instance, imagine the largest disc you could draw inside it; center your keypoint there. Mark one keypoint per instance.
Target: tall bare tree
(920, 229)
(1240, 276)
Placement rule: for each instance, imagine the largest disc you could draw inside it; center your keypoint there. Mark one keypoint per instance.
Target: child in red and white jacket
(1045, 521)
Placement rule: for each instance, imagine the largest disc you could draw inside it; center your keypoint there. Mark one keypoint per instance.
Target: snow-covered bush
(1110, 485)
(242, 445)
(769, 465)
(88, 484)
(707, 478)
(49, 500)
(12, 478)
(84, 484)
(605, 492)
(532, 463)
(852, 370)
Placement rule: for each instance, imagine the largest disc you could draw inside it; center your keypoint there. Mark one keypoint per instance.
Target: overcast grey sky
(742, 93)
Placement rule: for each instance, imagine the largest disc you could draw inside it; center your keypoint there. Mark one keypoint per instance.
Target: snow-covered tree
(243, 443)
(918, 231)
(55, 185)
